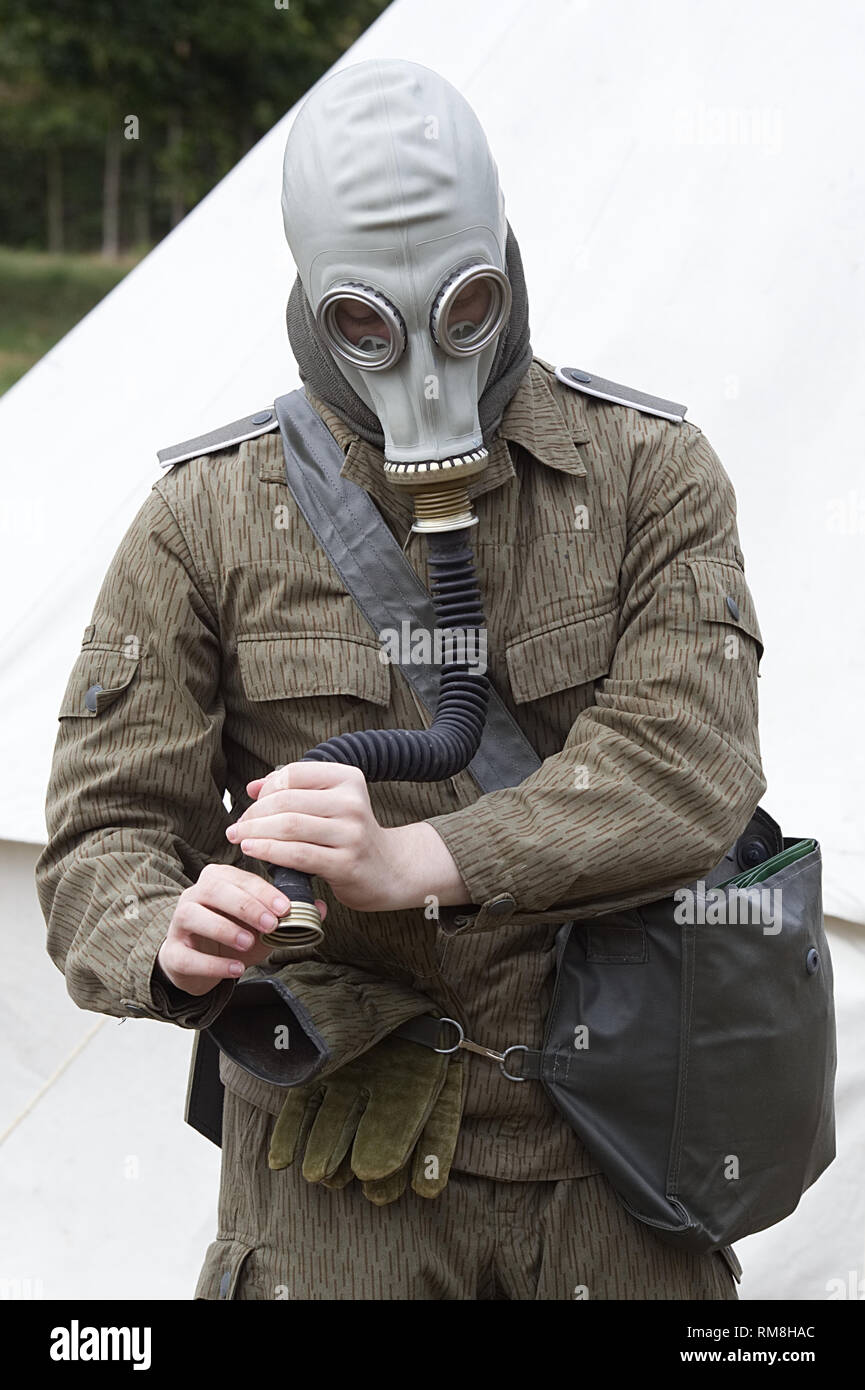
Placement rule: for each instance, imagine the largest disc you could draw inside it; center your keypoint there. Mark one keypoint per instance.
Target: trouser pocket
(222, 1271)
(731, 1258)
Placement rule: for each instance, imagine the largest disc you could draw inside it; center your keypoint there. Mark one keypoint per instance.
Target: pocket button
(499, 907)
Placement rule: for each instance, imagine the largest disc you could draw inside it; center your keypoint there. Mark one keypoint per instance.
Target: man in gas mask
(605, 537)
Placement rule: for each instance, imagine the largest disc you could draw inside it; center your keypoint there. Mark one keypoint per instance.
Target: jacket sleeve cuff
(148, 993)
(189, 1010)
(288, 1024)
(495, 895)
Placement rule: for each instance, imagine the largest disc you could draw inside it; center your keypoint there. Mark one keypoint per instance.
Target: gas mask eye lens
(468, 312)
(357, 322)
(471, 308)
(361, 326)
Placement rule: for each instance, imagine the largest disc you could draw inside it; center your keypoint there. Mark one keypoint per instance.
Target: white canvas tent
(686, 188)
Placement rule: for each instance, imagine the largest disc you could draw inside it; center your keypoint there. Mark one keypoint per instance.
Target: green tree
(153, 103)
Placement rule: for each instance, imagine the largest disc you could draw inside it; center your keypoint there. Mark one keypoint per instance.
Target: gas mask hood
(409, 316)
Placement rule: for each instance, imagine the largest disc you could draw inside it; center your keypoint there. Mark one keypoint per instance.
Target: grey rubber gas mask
(396, 222)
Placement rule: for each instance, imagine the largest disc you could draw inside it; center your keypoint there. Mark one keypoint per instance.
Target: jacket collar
(548, 427)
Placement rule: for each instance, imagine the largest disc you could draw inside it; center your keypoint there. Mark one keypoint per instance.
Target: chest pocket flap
(567, 654)
(279, 668)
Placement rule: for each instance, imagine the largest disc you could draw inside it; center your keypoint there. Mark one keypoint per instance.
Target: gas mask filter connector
(301, 929)
(438, 489)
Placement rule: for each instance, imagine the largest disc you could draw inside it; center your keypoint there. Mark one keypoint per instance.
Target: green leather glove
(390, 1116)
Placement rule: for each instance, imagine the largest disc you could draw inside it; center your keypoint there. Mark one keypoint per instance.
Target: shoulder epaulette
(248, 428)
(613, 391)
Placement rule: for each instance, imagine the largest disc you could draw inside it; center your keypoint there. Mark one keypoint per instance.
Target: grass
(42, 297)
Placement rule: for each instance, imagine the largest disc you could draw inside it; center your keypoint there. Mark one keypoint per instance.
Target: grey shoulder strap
(250, 427)
(617, 394)
(374, 570)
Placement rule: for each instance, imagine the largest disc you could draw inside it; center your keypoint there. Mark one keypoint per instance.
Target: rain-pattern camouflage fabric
(621, 635)
(283, 1238)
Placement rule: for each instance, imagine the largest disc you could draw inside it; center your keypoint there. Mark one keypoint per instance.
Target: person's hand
(317, 818)
(215, 933)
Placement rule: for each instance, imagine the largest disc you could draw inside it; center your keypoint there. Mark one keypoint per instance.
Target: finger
(192, 919)
(251, 882)
(309, 776)
(293, 1125)
(294, 854)
(185, 963)
(334, 1129)
(311, 803)
(435, 1149)
(288, 825)
(343, 1175)
(250, 902)
(381, 1191)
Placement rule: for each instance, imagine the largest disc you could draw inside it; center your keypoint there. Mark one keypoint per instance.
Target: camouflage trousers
(280, 1237)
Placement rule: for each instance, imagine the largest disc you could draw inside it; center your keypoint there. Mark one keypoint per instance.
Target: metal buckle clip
(459, 1041)
(517, 1047)
(488, 1052)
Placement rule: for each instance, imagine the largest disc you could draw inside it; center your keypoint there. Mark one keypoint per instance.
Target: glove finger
(380, 1191)
(434, 1152)
(292, 1126)
(334, 1129)
(399, 1106)
(343, 1175)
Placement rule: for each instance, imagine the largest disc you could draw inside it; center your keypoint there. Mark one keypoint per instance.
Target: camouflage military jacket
(622, 637)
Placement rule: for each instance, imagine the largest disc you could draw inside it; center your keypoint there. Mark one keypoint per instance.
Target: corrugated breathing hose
(410, 755)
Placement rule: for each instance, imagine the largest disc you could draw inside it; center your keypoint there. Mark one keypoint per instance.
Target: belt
(438, 1034)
